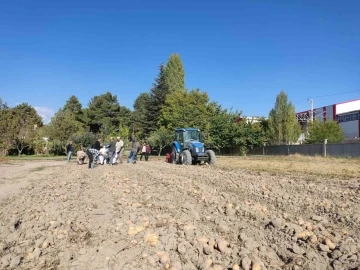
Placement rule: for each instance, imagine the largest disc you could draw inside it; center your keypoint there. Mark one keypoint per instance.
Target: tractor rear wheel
(174, 156)
(212, 157)
(185, 157)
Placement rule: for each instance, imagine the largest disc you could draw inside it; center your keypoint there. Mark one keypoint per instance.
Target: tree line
(155, 115)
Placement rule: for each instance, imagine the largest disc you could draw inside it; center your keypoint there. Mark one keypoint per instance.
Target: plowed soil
(154, 215)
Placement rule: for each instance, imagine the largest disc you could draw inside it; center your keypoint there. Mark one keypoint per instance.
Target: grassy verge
(343, 168)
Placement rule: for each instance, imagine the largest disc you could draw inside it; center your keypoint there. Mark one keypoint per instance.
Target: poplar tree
(174, 73)
(283, 126)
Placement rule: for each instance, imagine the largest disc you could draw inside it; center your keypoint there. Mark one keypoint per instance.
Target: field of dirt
(154, 215)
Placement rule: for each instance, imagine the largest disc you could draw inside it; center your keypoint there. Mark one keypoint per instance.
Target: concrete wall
(351, 128)
(330, 113)
(335, 150)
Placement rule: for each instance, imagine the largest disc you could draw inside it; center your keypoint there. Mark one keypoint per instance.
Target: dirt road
(153, 215)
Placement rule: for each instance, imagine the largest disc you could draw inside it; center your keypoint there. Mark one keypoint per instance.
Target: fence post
(288, 148)
(263, 149)
(324, 147)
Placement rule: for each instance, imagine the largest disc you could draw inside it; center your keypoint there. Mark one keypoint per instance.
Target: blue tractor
(188, 149)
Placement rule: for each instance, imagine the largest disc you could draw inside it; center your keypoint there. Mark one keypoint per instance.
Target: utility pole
(311, 109)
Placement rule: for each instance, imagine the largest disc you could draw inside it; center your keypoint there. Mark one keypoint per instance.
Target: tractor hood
(196, 147)
(196, 144)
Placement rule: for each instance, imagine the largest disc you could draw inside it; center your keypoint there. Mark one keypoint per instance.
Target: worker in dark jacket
(69, 150)
(148, 151)
(112, 151)
(96, 144)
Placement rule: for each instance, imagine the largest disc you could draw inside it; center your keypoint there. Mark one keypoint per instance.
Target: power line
(300, 101)
(334, 94)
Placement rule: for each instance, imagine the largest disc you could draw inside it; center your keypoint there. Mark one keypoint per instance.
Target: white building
(347, 114)
(250, 119)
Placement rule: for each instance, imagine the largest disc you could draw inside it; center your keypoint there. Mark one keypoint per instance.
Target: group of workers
(111, 153)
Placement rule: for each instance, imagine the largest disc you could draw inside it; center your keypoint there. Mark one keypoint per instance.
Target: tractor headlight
(197, 149)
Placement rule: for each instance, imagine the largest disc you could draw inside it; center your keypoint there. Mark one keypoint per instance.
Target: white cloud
(45, 112)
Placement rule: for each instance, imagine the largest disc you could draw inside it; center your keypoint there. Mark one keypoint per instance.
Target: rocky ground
(154, 215)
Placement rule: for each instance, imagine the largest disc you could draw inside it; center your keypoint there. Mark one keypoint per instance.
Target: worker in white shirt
(103, 155)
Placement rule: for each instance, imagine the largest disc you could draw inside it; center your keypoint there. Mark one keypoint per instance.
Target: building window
(348, 117)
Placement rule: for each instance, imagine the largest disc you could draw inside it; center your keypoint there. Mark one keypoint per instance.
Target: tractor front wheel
(185, 157)
(211, 156)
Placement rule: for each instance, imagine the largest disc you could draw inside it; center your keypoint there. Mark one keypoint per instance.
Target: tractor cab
(186, 135)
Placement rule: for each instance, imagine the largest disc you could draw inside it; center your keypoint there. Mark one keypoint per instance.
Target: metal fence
(333, 149)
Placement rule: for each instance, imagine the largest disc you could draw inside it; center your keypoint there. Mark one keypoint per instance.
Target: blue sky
(243, 53)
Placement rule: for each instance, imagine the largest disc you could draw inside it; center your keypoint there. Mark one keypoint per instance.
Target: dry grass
(38, 169)
(4, 160)
(343, 168)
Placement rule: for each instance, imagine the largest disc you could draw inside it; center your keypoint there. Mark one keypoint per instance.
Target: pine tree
(174, 73)
(73, 104)
(104, 114)
(156, 101)
(169, 79)
(283, 125)
(139, 115)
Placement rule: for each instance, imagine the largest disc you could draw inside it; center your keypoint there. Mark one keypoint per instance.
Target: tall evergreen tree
(283, 126)
(139, 115)
(156, 101)
(174, 73)
(104, 114)
(73, 105)
(169, 79)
